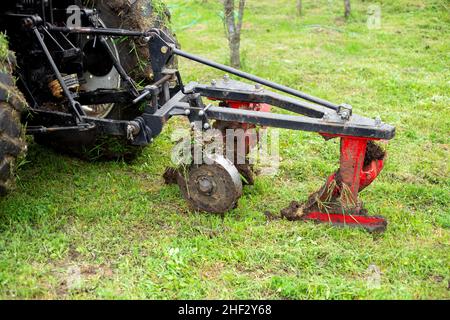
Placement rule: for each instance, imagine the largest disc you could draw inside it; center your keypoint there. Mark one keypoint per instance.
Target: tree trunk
(233, 30)
(347, 9)
(299, 7)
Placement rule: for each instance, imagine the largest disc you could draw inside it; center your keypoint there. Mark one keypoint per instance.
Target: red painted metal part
(249, 106)
(250, 141)
(370, 173)
(367, 222)
(352, 160)
(354, 177)
(367, 173)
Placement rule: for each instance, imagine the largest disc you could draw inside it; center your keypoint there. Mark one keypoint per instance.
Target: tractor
(100, 80)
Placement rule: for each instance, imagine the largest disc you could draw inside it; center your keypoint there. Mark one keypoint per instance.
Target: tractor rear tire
(12, 141)
(141, 15)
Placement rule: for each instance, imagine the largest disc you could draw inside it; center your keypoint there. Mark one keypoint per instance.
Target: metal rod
(51, 11)
(256, 79)
(119, 67)
(54, 40)
(98, 31)
(75, 105)
(385, 132)
(150, 89)
(42, 129)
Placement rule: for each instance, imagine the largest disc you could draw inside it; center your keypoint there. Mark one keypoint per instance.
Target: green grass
(131, 236)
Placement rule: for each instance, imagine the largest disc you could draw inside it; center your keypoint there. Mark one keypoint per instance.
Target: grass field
(78, 230)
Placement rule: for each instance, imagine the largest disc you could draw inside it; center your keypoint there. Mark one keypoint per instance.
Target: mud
(293, 212)
(246, 169)
(171, 175)
(271, 217)
(373, 152)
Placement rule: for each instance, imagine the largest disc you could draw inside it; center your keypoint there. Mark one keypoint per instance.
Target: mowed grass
(79, 230)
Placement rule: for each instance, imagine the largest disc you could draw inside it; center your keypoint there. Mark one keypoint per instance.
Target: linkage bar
(256, 79)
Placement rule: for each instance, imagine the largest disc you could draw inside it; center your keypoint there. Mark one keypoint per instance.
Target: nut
(378, 121)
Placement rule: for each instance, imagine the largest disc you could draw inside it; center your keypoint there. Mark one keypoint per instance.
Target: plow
(86, 79)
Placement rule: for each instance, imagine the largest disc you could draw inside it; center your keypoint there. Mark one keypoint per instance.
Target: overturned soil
(292, 212)
(373, 152)
(171, 176)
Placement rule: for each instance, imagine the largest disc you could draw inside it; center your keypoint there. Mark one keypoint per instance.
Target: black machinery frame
(164, 102)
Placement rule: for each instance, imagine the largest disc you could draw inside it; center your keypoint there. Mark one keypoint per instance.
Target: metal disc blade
(214, 188)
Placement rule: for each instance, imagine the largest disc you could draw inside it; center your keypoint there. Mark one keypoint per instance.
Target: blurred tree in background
(233, 27)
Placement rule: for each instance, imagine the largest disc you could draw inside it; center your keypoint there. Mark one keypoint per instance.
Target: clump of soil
(271, 217)
(292, 212)
(374, 152)
(171, 175)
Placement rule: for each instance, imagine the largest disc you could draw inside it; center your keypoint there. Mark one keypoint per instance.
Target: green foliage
(3, 47)
(131, 236)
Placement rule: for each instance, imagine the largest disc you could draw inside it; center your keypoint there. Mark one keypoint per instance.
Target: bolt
(206, 126)
(226, 78)
(345, 115)
(164, 49)
(205, 186)
(345, 111)
(378, 121)
(258, 86)
(213, 83)
(201, 113)
(187, 112)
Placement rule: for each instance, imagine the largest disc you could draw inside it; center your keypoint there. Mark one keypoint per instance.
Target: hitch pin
(151, 88)
(145, 94)
(203, 112)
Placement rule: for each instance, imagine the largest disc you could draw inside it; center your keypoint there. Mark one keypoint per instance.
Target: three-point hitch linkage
(216, 187)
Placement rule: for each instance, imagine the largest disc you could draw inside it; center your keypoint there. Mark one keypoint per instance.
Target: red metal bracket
(337, 202)
(372, 224)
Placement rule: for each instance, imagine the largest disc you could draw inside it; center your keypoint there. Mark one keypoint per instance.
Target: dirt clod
(271, 217)
(373, 152)
(292, 212)
(171, 176)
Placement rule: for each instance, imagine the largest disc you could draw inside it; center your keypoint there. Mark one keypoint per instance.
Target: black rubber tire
(12, 141)
(141, 15)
